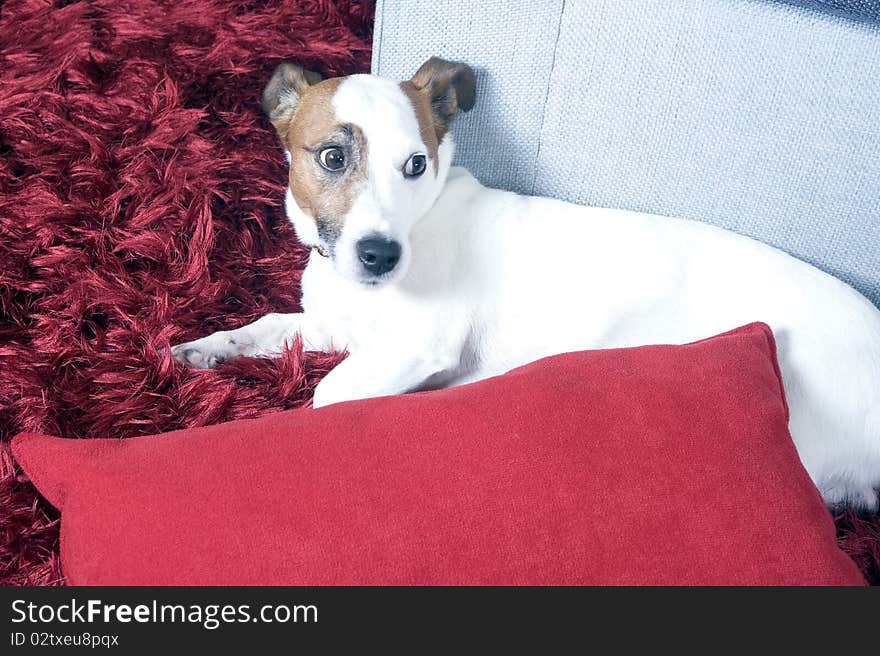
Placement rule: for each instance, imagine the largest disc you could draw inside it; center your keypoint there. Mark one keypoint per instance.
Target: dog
(429, 279)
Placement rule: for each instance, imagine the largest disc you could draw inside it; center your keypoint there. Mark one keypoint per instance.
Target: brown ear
(283, 92)
(450, 87)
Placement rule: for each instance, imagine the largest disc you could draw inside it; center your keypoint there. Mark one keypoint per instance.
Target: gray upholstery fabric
(759, 116)
(525, 32)
(868, 8)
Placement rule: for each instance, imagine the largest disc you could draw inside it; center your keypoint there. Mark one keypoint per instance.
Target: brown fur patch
(427, 127)
(449, 87)
(283, 93)
(323, 195)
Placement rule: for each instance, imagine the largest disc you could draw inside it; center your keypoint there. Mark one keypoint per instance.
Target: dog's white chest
(360, 317)
(332, 302)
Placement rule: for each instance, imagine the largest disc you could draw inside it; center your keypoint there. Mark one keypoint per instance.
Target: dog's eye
(415, 166)
(332, 159)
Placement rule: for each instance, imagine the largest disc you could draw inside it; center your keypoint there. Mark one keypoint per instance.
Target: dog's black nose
(378, 255)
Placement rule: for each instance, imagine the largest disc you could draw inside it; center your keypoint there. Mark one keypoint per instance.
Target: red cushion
(650, 465)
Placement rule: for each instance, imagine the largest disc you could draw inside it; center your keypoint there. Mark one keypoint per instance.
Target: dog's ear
(283, 92)
(450, 87)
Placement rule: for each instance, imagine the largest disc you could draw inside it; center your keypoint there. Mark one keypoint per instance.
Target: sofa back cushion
(757, 116)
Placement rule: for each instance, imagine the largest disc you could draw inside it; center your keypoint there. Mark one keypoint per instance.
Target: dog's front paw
(322, 397)
(205, 353)
(331, 390)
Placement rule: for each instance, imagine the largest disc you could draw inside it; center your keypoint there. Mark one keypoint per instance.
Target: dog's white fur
(491, 280)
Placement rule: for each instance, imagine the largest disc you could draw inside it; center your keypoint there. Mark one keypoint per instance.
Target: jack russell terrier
(429, 279)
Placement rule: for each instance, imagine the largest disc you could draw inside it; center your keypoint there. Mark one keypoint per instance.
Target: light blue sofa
(757, 115)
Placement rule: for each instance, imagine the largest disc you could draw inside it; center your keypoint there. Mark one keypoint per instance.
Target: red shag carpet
(141, 204)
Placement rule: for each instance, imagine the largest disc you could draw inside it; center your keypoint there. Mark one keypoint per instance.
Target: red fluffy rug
(141, 204)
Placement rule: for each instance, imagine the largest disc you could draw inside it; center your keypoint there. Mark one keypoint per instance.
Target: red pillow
(651, 465)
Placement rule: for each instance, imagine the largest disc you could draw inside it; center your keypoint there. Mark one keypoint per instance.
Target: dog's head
(368, 158)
